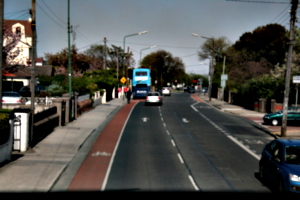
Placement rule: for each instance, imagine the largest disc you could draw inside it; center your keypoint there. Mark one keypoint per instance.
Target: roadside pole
(288, 67)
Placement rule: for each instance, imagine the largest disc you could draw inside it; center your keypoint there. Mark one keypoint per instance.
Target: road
(183, 145)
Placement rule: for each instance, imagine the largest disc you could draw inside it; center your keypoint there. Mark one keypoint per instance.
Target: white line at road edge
(230, 137)
(114, 153)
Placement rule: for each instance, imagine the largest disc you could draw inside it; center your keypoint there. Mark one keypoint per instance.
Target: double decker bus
(141, 82)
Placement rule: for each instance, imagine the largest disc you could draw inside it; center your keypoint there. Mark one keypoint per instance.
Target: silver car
(12, 98)
(153, 98)
(166, 91)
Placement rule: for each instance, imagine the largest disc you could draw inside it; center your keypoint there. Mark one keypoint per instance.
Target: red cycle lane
(92, 172)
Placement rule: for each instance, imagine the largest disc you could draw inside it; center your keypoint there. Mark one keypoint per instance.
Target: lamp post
(161, 85)
(145, 49)
(140, 33)
(211, 66)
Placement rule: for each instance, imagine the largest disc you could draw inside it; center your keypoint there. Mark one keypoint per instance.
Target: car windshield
(152, 94)
(292, 155)
(10, 94)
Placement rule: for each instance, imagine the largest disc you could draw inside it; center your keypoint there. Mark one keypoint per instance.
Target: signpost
(296, 79)
(224, 78)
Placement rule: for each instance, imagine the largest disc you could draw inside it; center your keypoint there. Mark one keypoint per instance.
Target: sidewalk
(292, 132)
(38, 169)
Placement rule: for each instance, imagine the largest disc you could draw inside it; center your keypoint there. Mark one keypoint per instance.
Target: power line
(281, 13)
(246, 1)
(53, 13)
(64, 27)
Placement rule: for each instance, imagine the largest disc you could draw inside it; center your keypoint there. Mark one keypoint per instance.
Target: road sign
(296, 79)
(224, 77)
(123, 80)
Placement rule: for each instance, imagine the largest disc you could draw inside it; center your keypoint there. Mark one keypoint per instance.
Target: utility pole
(288, 67)
(127, 64)
(69, 62)
(33, 62)
(1, 47)
(104, 54)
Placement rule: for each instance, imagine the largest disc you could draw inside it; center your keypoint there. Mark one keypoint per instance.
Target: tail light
(20, 101)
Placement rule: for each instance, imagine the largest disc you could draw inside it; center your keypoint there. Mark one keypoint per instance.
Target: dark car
(25, 91)
(280, 165)
(191, 89)
(275, 119)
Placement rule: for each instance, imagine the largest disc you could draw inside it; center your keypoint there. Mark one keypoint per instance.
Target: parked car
(280, 164)
(153, 98)
(12, 98)
(275, 119)
(191, 89)
(25, 90)
(185, 89)
(166, 91)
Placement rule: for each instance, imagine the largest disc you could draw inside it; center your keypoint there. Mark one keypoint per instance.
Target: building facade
(17, 42)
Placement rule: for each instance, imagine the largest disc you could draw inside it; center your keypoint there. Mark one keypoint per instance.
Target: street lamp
(140, 33)
(145, 49)
(211, 66)
(163, 69)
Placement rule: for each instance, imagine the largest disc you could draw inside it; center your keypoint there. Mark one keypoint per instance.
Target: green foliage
(264, 86)
(4, 122)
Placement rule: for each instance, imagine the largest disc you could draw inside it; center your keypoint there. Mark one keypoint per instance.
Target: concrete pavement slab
(37, 169)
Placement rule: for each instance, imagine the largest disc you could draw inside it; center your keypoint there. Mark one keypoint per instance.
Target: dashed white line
(193, 182)
(180, 158)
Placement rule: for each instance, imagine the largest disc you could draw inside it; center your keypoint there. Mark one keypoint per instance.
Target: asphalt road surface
(183, 145)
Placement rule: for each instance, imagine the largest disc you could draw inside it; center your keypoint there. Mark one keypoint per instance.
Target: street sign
(224, 77)
(223, 83)
(123, 80)
(296, 79)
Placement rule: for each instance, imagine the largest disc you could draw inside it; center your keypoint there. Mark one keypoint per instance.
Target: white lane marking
(145, 119)
(173, 143)
(180, 158)
(185, 120)
(114, 152)
(239, 143)
(244, 147)
(193, 182)
(98, 153)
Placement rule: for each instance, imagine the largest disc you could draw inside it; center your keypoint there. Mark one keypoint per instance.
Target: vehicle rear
(140, 91)
(12, 98)
(153, 98)
(166, 91)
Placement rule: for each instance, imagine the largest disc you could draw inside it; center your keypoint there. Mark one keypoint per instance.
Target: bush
(4, 128)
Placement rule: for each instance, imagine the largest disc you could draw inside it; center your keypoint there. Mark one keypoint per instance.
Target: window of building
(18, 30)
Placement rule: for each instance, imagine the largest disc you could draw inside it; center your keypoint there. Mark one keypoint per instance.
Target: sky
(170, 24)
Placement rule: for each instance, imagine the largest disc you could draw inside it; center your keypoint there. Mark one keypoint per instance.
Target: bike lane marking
(92, 173)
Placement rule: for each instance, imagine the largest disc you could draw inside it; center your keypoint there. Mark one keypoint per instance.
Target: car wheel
(274, 122)
(280, 188)
(262, 174)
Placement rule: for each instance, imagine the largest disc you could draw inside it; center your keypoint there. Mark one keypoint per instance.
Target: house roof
(21, 71)
(10, 22)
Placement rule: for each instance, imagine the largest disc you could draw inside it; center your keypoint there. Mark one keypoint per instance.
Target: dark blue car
(280, 165)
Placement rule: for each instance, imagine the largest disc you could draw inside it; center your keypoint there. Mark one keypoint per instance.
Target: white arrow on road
(144, 119)
(185, 121)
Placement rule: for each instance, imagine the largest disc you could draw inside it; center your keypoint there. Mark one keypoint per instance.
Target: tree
(11, 39)
(268, 42)
(164, 68)
(80, 62)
